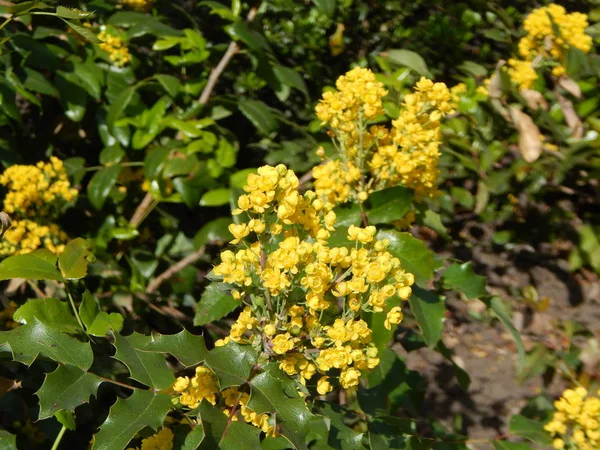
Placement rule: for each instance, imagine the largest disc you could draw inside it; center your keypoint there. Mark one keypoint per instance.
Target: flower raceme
(118, 53)
(576, 421)
(550, 33)
(37, 195)
(163, 440)
(304, 298)
(373, 157)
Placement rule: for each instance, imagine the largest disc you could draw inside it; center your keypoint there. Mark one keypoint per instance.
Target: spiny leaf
(529, 429)
(72, 13)
(415, 257)
(86, 33)
(65, 389)
(128, 416)
(148, 368)
(36, 338)
(50, 311)
(37, 265)
(429, 310)
(223, 436)
(274, 392)
(214, 304)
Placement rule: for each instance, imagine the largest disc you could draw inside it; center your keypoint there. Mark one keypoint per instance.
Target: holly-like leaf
(7, 441)
(37, 265)
(73, 261)
(101, 184)
(232, 363)
(415, 257)
(214, 304)
(36, 338)
(388, 205)
(274, 392)
(462, 278)
(187, 438)
(223, 436)
(148, 368)
(128, 416)
(340, 435)
(429, 310)
(50, 311)
(65, 389)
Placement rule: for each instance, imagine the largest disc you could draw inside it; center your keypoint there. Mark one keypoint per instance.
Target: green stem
(7, 21)
(61, 433)
(74, 308)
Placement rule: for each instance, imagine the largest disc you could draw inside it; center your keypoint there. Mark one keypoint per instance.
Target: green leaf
(7, 441)
(149, 368)
(215, 303)
(50, 311)
(72, 13)
(259, 114)
(433, 220)
(128, 416)
(86, 33)
(67, 419)
(291, 78)
(104, 322)
(35, 81)
(101, 184)
(388, 205)
(118, 107)
(37, 265)
(340, 435)
(112, 155)
(73, 261)
(187, 438)
(216, 197)
(232, 363)
(253, 39)
(429, 310)
(274, 392)
(327, 6)
(498, 307)
(88, 309)
(214, 232)
(65, 389)
(407, 58)
(462, 278)
(529, 429)
(223, 436)
(415, 257)
(170, 84)
(37, 338)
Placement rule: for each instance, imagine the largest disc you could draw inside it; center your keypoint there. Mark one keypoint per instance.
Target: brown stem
(363, 216)
(141, 211)
(189, 259)
(118, 383)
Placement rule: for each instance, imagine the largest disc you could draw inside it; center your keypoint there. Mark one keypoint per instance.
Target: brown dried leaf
(495, 86)
(573, 121)
(534, 99)
(570, 86)
(530, 142)
(5, 223)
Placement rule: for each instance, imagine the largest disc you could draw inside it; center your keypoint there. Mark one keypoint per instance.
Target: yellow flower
(283, 343)
(138, 5)
(203, 385)
(349, 377)
(118, 53)
(393, 317)
(324, 386)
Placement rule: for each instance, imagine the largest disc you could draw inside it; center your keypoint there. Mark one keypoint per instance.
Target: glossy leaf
(37, 265)
(7, 441)
(36, 338)
(429, 310)
(130, 415)
(215, 231)
(529, 429)
(462, 278)
(216, 197)
(388, 205)
(101, 184)
(73, 261)
(216, 302)
(410, 59)
(65, 389)
(223, 436)
(259, 114)
(415, 257)
(50, 311)
(148, 368)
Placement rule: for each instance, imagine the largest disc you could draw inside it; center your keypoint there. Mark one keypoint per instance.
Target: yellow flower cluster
(306, 297)
(576, 420)
(376, 157)
(138, 5)
(118, 53)
(163, 440)
(204, 386)
(6, 316)
(550, 32)
(41, 192)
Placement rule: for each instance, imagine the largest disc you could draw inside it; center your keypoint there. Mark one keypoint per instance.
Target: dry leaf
(530, 142)
(7, 385)
(495, 86)
(570, 86)
(5, 223)
(534, 99)
(573, 121)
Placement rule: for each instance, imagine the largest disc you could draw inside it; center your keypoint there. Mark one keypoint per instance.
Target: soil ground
(485, 348)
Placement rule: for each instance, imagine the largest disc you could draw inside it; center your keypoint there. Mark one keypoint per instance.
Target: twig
(140, 211)
(189, 259)
(231, 51)
(305, 178)
(118, 383)
(61, 433)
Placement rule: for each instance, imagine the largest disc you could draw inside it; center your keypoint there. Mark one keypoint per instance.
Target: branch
(189, 259)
